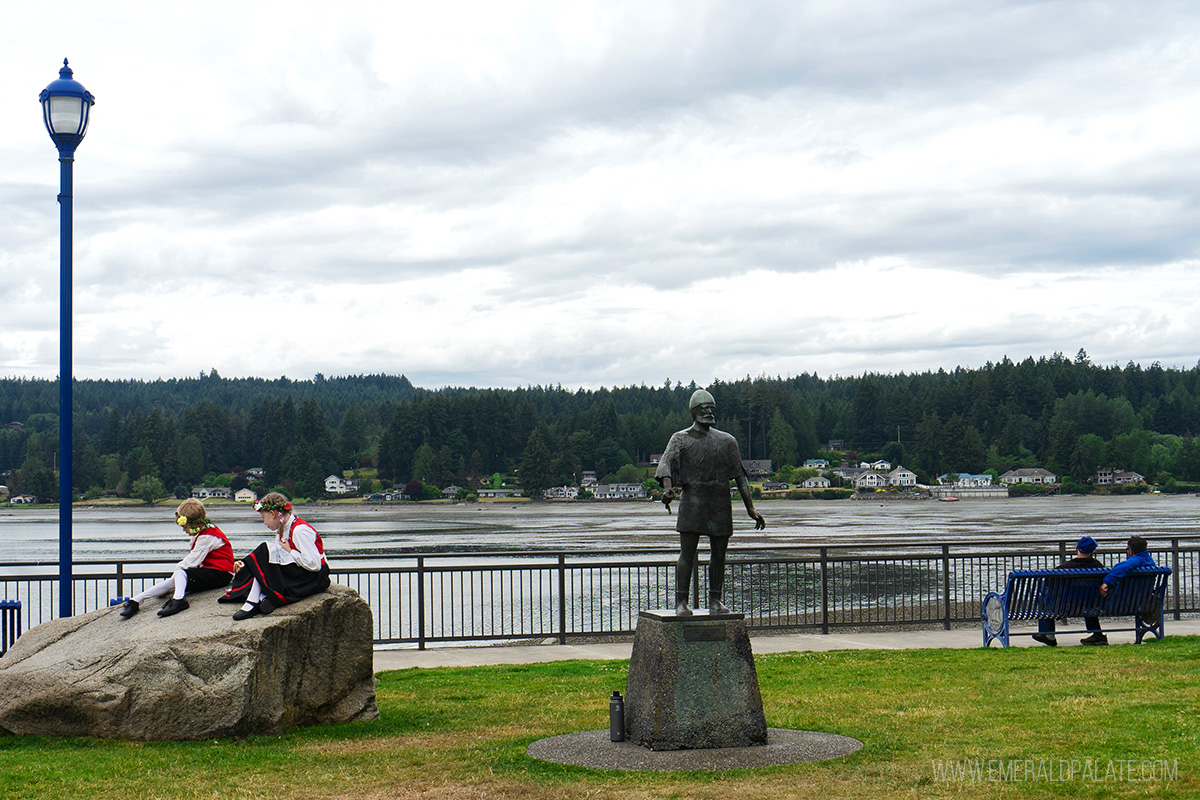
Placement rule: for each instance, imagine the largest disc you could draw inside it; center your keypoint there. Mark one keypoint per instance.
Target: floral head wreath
(261, 506)
(193, 525)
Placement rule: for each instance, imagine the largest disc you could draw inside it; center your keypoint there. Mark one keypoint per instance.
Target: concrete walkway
(459, 656)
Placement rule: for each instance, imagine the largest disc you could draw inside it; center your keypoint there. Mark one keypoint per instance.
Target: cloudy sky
(611, 193)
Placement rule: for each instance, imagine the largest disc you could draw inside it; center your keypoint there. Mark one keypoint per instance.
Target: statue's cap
(699, 397)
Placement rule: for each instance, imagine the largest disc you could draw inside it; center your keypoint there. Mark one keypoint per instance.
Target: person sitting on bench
(1137, 555)
(1084, 559)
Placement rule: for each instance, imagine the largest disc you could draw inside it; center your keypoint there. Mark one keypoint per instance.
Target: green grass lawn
(1023, 719)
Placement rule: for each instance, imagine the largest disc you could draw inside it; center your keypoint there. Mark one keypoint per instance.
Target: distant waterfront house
(561, 493)
(588, 479)
(335, 484)
(256, 472)
(210, 492)
(245, 496)
(870, 479)
(655, 459)
(770, 486)
(965, 480)
(503, 492)
(850, 474)
(1118, 477)
(450, 491)
(757, 468)
(22, 500)
(382, 497)
(1028, 475)
(816, 483)
(619, 491)
(816, 463)
(902, 477)
(836, 444)
(878, 466)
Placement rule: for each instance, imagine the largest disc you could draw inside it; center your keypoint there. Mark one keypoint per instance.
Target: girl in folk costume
(208, 564)
(280, 570)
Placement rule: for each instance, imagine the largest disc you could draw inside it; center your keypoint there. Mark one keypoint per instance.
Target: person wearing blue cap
(1084, 559)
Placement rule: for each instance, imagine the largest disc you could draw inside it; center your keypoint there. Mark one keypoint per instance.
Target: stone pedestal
(692, 683)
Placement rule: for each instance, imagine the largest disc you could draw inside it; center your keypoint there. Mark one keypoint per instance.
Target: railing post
(120, 579)
(1175, 576)
(824, 590)
(420, 603)
(562, 598)
(946, 584)
(1062, 551)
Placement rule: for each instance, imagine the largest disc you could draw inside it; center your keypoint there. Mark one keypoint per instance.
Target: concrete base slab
(784, 746)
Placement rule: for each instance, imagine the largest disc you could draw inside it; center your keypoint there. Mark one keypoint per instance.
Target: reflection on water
(127, 533)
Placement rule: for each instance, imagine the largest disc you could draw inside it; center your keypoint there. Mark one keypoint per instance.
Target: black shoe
(130, 608)
(242, 613)
(1045, 639)
(173, 606)
(265, 606)
(227, 599)
(1095, 638)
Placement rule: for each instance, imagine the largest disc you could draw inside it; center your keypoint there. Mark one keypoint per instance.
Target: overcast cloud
(609, 193)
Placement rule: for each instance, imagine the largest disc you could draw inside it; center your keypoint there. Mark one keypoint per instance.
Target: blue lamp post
(66, 109)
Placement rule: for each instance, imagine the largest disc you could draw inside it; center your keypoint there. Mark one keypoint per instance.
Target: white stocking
(256, 594)
(157, 590)
(180, 576)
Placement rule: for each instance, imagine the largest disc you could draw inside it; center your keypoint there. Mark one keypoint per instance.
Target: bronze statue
(701, 461)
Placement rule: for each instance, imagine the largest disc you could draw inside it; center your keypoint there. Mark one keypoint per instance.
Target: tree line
(1069, 415)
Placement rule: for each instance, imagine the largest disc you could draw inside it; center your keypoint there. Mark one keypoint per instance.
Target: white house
(335, 484)
(619, 491)
(816, 463)
(245, 496)
(1028, 475)
(500, 493)
(965, 480)
(450, 491)
(561, 493)
(816, 483)
(902, 477)
(210, 492)
(870, 480)
(878, 466)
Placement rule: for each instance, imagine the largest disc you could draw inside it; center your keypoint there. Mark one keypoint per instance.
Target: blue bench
(1035, 594)
(10, 623)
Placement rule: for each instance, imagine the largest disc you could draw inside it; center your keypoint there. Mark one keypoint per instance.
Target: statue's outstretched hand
(759, 522)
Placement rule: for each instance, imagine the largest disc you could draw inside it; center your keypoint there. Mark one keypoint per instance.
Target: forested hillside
(1069, 415)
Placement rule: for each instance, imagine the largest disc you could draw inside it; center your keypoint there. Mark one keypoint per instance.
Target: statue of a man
(701, 461)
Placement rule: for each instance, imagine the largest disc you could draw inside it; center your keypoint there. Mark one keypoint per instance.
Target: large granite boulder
(195, 675)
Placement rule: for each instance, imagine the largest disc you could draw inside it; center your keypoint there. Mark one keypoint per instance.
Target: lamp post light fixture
(66, 110)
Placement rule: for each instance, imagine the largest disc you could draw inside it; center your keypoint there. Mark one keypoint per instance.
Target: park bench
(10, 623)
(1035, 594)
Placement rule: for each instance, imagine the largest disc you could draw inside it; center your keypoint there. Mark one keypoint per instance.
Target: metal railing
(431, 598)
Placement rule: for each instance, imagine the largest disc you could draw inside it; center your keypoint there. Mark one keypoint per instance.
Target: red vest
(320, 545)
(222, 557)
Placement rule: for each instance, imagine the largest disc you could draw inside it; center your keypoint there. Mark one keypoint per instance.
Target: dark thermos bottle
(616, 718)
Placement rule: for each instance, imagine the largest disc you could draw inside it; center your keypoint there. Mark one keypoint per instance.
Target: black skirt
(201, 579)
(281, 583)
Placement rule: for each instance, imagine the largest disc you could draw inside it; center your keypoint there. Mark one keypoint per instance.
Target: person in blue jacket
(1137, 556)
